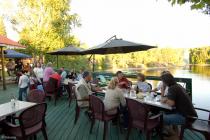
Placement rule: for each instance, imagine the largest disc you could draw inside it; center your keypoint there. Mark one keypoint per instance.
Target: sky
(153, 22)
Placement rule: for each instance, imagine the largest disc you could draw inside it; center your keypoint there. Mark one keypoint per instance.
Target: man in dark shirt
(177, 98)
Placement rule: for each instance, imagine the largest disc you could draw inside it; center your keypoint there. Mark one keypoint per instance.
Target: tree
(2, 27)
(45, 25)
(204, 5)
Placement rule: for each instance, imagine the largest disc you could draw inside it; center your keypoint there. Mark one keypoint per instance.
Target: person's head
(23, 71)
(113, 83)
(119, 75)
(87, 76)
(10, 60)
(141, 77)
(62, 68)
(168, 79)
(49, 64)
(38, 65)
(164, 72)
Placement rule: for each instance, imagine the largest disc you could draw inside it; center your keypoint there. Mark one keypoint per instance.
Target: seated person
(124, 83)
(63, 74)
(84, 89)
(113, 97)
(57, 76)
(142, 85)
(178, 98)
(161, 86)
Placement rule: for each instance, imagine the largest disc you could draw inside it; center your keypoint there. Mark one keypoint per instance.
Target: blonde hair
(113, 83)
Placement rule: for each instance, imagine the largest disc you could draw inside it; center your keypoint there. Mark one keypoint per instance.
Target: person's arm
(171, 97)
(122, 98)
(20, 81)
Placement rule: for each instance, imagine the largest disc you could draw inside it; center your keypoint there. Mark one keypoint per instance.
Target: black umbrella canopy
(114, 46)
(70, 50)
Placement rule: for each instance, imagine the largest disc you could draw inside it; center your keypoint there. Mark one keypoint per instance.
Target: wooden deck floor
(60, 123)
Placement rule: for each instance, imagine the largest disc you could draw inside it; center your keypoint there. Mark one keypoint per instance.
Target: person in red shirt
(57, 76)
(123, 81)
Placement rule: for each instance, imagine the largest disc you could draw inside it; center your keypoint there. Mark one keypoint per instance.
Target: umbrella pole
(2, 64)
(93, 62)
(57, 61)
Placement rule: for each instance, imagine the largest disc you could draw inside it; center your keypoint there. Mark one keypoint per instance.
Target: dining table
(145, 98)
(10, 108)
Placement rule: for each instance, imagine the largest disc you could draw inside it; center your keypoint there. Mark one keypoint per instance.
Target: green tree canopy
(204, 5)
(45, 25)
(2, 27)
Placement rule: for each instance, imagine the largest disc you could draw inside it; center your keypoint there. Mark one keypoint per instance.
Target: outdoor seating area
(60, 123)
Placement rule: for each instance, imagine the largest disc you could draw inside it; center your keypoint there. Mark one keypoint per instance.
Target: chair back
(97, 107)
(32, 117)
(137, 111)
(51, 85)
(36, 96)
(70, 89)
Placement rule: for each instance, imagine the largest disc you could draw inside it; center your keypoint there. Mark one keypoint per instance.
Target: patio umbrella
(115, 46)
(14, 54)
(6, 42)
(70, 50)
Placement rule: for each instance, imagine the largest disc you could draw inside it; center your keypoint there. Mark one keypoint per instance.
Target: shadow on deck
(60, 123)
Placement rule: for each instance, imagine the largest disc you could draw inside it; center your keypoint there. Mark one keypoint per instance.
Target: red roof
(4, 41)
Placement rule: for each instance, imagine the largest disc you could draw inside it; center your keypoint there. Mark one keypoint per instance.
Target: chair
(99, 113)
(196, 124)
(51, 89)
(31, 121)
(70, 92)
(77, 107)
(139, 118)
(36, 96)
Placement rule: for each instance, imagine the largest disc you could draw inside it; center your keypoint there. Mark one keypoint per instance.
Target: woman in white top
(38, 70)
(113, 97)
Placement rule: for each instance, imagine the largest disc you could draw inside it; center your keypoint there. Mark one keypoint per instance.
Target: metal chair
(70, 92)
(31, 121)
(196, 124)
(139, 118)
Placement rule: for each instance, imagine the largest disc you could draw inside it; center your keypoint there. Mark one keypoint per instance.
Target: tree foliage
(2, 27)
(45, 25)
(203, 5)
(200, 55)
(160, 57)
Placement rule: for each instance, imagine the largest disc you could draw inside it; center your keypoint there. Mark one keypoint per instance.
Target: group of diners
(40, 75)
(173, 95)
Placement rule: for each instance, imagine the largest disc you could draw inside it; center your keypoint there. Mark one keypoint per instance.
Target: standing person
(39, 72)
(47, 72)
(19, 65)
(10, 67)
(33, 81)
(80, 74)
(124, 83)
(142, 85)
(178, 98)
(23, 85)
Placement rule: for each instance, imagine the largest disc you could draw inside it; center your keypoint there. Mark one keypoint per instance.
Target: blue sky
(153, 22)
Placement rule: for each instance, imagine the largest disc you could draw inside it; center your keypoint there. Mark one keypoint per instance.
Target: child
(23, 85)
(142, 86)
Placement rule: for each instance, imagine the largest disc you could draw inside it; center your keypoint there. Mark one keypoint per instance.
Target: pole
(93, 62)
(57, 61)
(2, 65)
